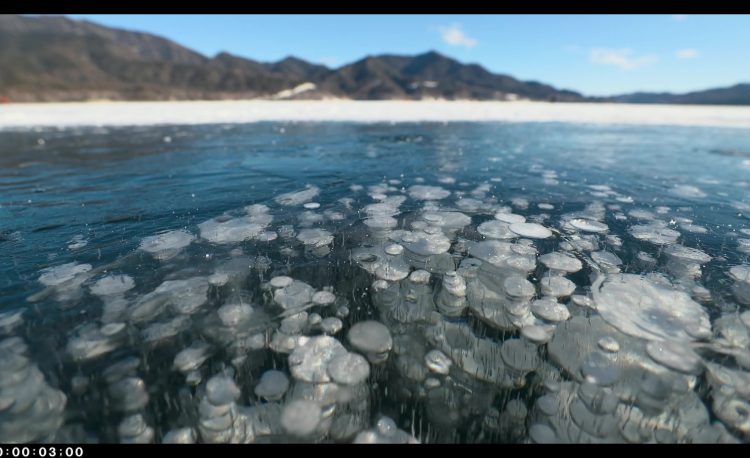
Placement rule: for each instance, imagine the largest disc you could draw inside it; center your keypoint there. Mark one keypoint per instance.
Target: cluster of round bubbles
(30, 409)
(643, 309)
(404, 312)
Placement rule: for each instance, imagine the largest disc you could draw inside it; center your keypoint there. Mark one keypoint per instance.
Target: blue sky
(593, 54)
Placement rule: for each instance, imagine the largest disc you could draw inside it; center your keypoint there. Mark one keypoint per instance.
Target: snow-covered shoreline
(19, 116)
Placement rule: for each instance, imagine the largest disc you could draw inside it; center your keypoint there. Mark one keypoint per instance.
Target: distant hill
(59, 59)
(738, 94)
(53, 58)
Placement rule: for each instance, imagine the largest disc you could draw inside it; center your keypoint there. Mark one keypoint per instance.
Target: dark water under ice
(90, 196)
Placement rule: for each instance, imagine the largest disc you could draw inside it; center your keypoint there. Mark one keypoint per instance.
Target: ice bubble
(550, 310)
(381, 223)
(185, 296)
(654, 233)
(281, 281)
(371, 338)
(121, 369)
(232, 315)
(221, 230)
(342, 312)
(438, 362)
(89, 345)
(451, 300)
(613, 240)
(331, 325)
(112, 285)
(580, 243)
(129, 394)
(424, 243)
(675, 355)
(112, 329)
(282, 343)
(167, 244)
(349, 369)
(192, 357)
(295, 295)
(54, 276)
(272, 385)
(323, 298)
(608, 344)
(10, 320)
(641, 308)
(693, 228)
(516, 286)
(597, 368)
(470, 205)
(496, 230)
(520, 202)
(309, 360)
(745, 318)
(159, 331)
(286, 231)
(686, 254)
(15, 345)
(386, 207)
(509, 218)
(221, 390)
(556, 286)
(218, 279)
(447, 220)
(393, 249)
(733, 412)
(314, 320)
(502, 257)
(588, 225)
(267, 236)
(684, 262)
(607, 261)
(298, 197)
(687, 191)
(519, 355)
(134, 430)
(309, 218)
(385, 266)
(315, 237)
(561, 262)
(530, 230)
(422, 192)
(641, 214)
(301, 417)
(740, 273)
(535, 334)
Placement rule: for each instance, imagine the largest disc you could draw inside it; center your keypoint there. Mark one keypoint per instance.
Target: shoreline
(106, 113)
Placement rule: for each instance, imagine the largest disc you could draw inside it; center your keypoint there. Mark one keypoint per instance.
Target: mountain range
(54, 58)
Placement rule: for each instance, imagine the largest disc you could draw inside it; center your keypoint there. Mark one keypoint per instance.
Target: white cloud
(679, 17)
(687, 53)
(455, 36)
(623, 58)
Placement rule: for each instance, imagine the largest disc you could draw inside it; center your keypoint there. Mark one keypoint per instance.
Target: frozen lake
(216, 280)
